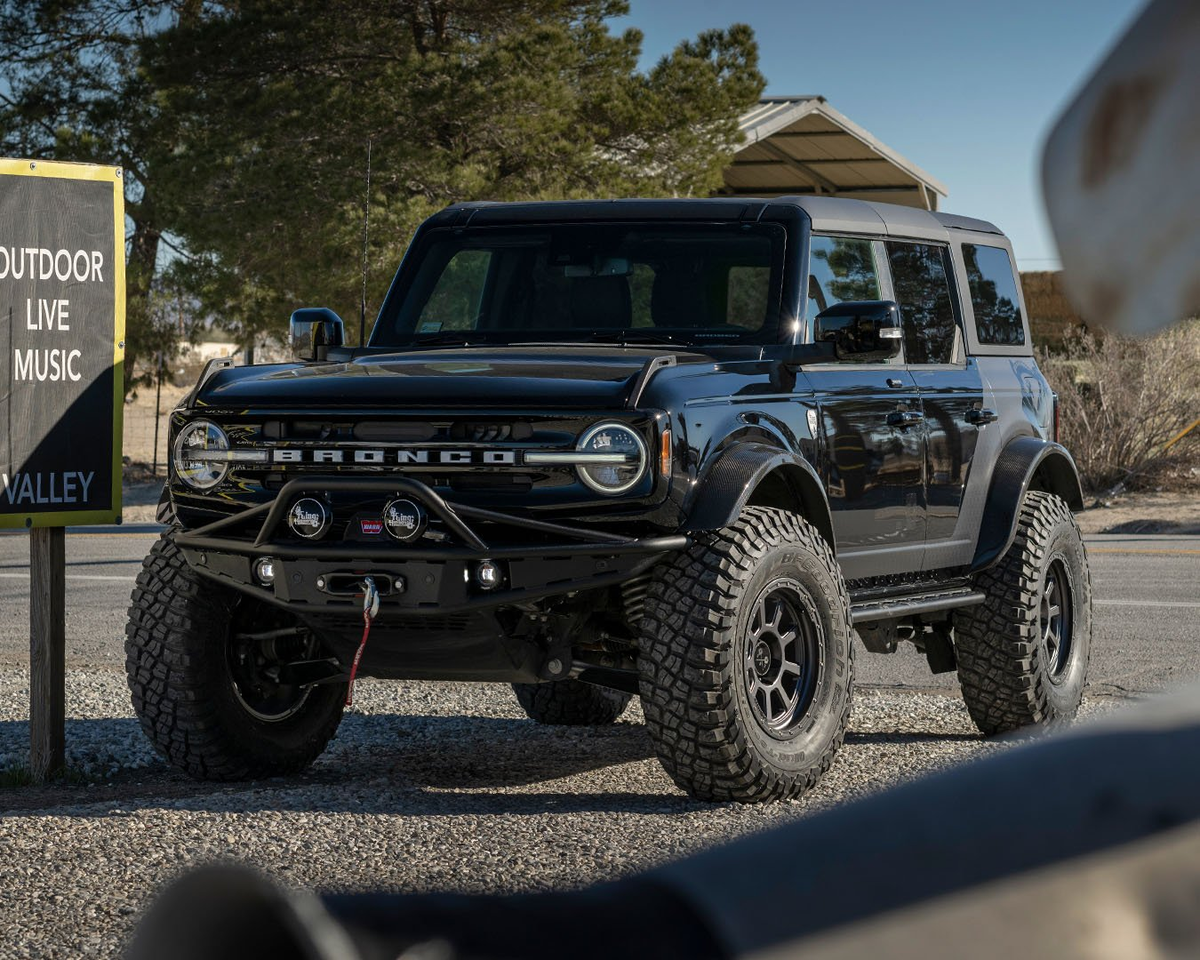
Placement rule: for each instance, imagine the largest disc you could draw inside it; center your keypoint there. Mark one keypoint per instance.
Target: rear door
(950, 389)
(873, 464)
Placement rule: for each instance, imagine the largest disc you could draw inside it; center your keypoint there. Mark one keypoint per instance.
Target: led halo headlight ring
(200, 474)
(624, 475)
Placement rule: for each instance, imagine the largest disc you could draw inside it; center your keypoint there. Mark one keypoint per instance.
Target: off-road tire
(570, 703)
(1007, 681)
(693, 668)
(182, 688)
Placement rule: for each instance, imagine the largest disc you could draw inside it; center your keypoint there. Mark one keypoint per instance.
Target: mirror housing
(865, 331)
(314, 331)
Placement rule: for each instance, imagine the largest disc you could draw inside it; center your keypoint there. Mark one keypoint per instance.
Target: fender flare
(1024, 463)
(729, 482)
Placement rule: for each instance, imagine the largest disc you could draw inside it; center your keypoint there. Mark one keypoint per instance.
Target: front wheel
(202, 664)
(1023, 653)
(746, 661)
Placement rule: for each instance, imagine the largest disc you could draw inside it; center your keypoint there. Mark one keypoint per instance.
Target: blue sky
(966, 90)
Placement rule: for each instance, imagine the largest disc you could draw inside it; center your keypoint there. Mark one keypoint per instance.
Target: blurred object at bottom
(1082, 845)
(1121, 178)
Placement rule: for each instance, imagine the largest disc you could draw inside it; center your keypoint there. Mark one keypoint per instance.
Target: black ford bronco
(682, 449)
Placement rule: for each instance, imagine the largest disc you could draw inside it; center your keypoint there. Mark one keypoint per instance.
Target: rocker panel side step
(907, 606)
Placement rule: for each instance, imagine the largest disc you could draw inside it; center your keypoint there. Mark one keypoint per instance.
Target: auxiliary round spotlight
(309, 518)
(404, 520)
(488, 574)
(264, 570)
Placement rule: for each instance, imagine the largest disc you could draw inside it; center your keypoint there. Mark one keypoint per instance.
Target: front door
(873, 463)
(873, 466)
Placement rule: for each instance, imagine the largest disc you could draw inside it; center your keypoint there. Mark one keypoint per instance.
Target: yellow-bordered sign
(62, 330)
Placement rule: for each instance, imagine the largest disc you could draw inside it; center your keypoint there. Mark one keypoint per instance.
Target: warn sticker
(370, 527)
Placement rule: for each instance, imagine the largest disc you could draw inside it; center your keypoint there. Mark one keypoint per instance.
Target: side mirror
(866, 331)
(314, 331)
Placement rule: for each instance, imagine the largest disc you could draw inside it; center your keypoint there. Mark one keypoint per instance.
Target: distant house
(801, 145)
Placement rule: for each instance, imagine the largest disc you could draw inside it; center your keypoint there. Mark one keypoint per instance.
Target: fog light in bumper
(488, 575)
(264, 570)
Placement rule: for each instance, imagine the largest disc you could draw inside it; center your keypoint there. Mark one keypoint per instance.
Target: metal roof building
(801, 145)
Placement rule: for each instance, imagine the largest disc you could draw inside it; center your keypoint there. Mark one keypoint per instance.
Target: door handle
(894, 383)
(980, 417)
(904, 418)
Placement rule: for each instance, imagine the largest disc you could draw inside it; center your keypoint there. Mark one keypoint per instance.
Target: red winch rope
(370, 608)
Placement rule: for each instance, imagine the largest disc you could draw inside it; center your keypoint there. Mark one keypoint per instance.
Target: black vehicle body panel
(905, 502)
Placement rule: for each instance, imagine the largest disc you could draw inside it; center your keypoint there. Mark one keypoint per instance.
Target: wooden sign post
(62, 332)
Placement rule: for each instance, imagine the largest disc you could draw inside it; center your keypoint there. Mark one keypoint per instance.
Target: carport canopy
(801, 145)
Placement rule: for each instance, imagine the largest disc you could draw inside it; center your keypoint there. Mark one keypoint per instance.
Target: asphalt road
(1146, 589)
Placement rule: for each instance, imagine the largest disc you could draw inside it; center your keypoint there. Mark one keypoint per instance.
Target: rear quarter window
(994, 297)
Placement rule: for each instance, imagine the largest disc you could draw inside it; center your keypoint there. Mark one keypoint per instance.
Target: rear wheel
(746, 662)
(570, 703)
(203, 669)
(1023, 653)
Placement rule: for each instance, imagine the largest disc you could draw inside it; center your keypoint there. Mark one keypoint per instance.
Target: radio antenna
(362, 310)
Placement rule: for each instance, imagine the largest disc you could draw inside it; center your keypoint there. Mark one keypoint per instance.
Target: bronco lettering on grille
(464, 458)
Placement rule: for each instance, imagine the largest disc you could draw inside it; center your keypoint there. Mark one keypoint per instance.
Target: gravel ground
(427, 787)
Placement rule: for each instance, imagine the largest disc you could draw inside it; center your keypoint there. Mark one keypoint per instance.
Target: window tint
(921, 280)
(689, 282)
(840, 268)
(994, 295)
(747, 297)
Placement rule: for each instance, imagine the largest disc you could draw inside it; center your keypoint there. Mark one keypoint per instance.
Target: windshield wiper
(455, 337)
(623, 337)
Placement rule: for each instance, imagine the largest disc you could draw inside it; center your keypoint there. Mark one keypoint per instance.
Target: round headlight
(200, 448)
(616, 458)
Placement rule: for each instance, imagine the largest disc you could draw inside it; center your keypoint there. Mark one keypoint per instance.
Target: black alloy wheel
(1054, 616)
(261, 640)
(782, 657)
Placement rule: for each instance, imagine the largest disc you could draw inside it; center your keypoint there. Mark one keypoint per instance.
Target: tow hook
(370, 612)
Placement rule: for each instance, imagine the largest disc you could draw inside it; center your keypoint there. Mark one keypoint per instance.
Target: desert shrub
(1122, 400)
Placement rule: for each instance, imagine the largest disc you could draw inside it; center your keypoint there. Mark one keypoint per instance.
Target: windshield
(637, 283)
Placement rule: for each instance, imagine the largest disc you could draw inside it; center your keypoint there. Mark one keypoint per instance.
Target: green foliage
(479, 100)
(245, 126)
(73, 87)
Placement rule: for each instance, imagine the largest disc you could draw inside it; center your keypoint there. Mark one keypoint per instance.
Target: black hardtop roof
(825, 213)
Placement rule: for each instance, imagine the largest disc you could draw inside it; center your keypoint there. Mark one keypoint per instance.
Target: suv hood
(571, 377)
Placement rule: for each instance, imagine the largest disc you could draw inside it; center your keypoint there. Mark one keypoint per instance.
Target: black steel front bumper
(538, 559)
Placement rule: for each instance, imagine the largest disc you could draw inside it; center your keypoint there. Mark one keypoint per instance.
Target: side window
(454, 303)
(994, 295)
(840, 268)
(920, 276)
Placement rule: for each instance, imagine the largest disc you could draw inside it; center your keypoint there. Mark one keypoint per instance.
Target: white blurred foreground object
(1121, 178)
